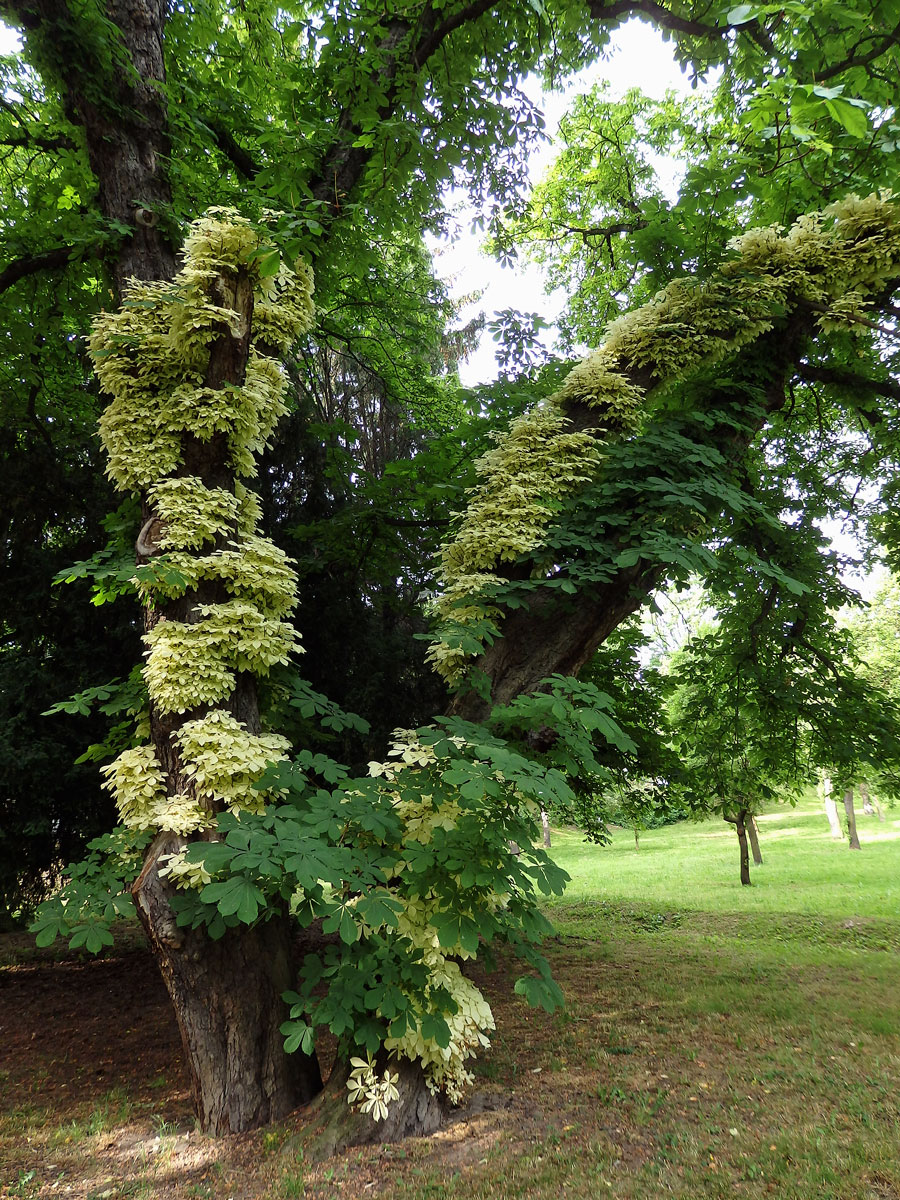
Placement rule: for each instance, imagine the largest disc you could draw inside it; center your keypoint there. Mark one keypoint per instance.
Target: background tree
(768, 696)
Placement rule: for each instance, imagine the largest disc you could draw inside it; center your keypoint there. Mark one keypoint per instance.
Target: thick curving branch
(600, 10)
(44, 260)
(761, 316)
(887, 43)
(239, 158)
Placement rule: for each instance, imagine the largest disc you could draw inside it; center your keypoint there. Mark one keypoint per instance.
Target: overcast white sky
(639, 58)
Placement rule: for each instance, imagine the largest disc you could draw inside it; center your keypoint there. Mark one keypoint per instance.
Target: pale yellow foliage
(224, 760)
(152, 357)
(136, 781)
(193, 663)
(833, 260)
(191, 513)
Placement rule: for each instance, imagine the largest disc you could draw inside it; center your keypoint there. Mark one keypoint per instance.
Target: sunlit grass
(717, 1042)
(695, 866)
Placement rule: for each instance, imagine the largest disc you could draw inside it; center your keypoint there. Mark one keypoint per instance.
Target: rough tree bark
(226, 994)
(227, 1000)
(112, 92)
(851, 819)
(334, 1125)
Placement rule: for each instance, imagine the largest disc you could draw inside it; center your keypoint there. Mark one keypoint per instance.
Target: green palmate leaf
(341, 922)
(268, 263)
(436, 1029)
(235, 897)
(298, 1035)
(550, 878)
(540, 993)
(851, 115)
(742, 13)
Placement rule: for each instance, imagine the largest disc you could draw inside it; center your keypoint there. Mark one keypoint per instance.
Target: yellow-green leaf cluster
(194, 663)
(137, 784)
(151, 356)
(370, 1092)
(444, 1066)
(224, 760)
(191, 512)
(251, 568)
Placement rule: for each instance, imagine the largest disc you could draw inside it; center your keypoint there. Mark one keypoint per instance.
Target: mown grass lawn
(717, 1042)
(695, 866)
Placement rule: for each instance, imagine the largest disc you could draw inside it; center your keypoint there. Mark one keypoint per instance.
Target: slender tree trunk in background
(870, 802)
(739, 821)
(741, 826)
(866, 801)
(851, 819)
(753, 834)
(831, 811)
(637, 838)
(545, 825)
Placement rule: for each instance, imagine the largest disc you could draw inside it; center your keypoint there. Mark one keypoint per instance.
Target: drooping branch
(852, 380)
(36, 141)
(232, 149)
(665, 19)
(861, 60)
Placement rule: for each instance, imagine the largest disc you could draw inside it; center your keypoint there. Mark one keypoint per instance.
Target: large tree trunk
(227, 1000)
(851, 819)
(226, 993)
(753, 835)
(111, 88)
(556, 633)
(336, 1126)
